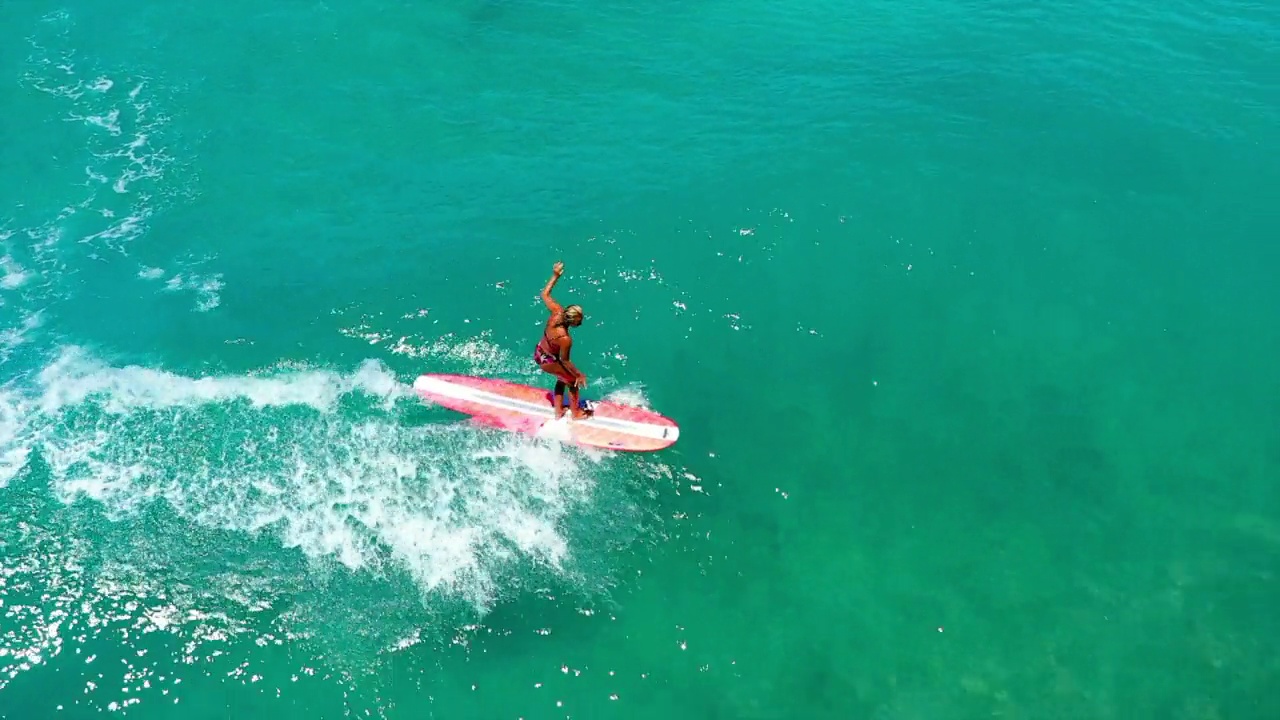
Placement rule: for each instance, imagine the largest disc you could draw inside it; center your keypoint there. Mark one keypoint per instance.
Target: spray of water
(142, 500)
(320, 459)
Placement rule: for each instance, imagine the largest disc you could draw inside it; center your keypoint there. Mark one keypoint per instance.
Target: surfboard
(515, 407)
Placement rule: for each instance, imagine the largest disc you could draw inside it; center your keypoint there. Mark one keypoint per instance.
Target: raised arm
(556, 272)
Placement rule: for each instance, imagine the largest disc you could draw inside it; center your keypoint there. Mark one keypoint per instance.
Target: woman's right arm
(552, 305)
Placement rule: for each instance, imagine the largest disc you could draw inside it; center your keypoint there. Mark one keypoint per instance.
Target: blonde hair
(573, 312)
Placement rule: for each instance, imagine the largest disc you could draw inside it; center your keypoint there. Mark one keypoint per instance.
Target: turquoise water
(967, 312)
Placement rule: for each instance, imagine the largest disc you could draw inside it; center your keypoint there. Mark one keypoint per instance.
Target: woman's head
(573, 315)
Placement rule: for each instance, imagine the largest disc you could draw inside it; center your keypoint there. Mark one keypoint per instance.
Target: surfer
(552, 352)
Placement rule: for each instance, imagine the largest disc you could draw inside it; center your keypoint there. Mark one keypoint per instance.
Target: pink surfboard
(520, 408)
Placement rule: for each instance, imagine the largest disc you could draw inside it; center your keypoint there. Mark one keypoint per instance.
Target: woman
(552, 352)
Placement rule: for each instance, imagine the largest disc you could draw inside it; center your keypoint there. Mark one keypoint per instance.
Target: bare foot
(579, 413)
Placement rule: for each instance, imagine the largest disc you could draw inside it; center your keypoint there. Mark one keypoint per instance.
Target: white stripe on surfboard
(484, 397)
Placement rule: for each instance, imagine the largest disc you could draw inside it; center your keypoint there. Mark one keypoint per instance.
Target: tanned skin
(557, 345)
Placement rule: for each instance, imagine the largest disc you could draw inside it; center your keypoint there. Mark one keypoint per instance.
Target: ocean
(966, 310)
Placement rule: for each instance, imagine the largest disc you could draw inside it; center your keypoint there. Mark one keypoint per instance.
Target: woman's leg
(562, 379)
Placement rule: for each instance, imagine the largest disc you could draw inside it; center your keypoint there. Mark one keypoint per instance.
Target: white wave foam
(12, 337)
(13, 446)
(109, 122)
(206, 288)
(75, 378)
(453, 507)
(122, 137)
(479, 354)
(632, 395)
(14, 275)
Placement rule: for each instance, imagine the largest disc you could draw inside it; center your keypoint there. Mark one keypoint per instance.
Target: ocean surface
(967, 309)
